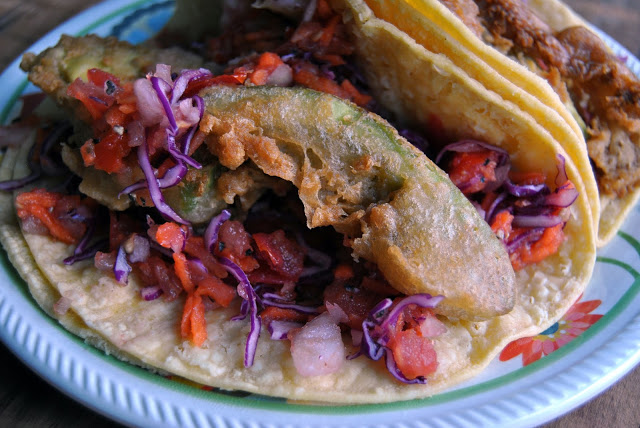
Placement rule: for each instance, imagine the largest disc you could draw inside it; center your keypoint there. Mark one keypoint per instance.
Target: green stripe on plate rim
(270, 403)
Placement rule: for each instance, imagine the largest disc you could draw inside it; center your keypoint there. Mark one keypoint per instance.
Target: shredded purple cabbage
(86, 253)
(211, 234)
(154, 187)
(151, 292)
(122, 269)
(271, 299)
(280, 329)
(169, 95)
(249, 307)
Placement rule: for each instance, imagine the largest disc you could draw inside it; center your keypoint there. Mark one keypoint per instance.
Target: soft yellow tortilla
(434, 27)
(147, 333)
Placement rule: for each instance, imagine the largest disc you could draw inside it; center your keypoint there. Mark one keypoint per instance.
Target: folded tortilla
(523, 51)
(447, 231)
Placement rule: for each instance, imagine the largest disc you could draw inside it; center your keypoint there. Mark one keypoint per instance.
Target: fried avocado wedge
(352, 170)
(355, 173)
(425, 88)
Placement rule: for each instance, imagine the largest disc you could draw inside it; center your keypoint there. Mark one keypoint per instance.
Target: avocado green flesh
(197, 201)
(354, 172)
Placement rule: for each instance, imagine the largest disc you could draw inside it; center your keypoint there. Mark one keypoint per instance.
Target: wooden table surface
(28, 401)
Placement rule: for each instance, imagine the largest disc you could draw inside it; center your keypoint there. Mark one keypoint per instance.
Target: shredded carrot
(40, 204)
(56, 229)
(313, 81)
(356, 96)
(38, 197)
(220, 292)
(185, 323)
(547, 245)
(501, 225)
(193, 324)
(182, 270)
(329, 31)
(267, 63)
(332, 59)
(527, 178)
(198, 322)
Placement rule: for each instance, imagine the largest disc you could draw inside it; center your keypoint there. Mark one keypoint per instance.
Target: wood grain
(28, 401)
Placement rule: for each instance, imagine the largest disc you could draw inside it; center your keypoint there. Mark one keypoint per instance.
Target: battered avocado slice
(354, 172)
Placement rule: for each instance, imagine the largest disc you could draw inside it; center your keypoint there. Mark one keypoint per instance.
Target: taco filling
(222, 192)
(582, 70)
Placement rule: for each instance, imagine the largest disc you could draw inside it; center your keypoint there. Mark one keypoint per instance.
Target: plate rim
(106, 11)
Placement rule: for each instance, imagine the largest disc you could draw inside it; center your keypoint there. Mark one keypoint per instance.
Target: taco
(408, 265)
(526, 41)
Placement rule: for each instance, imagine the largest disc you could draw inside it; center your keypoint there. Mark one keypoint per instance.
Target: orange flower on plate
(577, 319)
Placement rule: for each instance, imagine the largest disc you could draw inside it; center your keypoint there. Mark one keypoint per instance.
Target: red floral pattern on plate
(577, 319)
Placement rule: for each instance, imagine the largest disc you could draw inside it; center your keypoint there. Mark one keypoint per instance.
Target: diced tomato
(420, 319)
(414, 355)
(378, 286)
(165, 277)
(195, 248)
(115, 117)
(220, 292)
(109, 153)
(88, 152)
(121, 226)
(281, 253)
(234, 243)
(196, 85)
(343, 272)
(99, 77)
(355, 302)
(471, 171)
(91, 96)
(265, 275)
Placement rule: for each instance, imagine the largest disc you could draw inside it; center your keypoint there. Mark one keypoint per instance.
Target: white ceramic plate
(507, 393)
